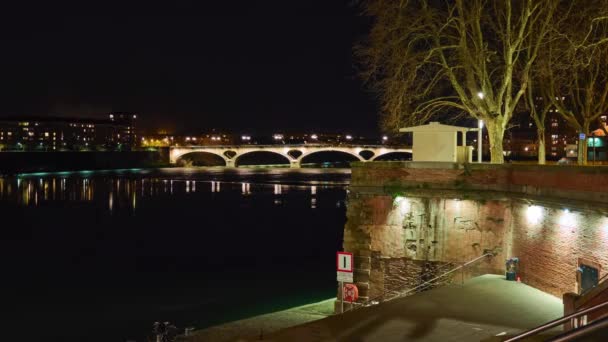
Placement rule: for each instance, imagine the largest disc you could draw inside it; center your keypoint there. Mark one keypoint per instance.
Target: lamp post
(479, 135)
(593, 139)
(479, 132)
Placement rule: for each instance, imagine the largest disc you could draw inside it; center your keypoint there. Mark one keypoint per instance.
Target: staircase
(585, 317)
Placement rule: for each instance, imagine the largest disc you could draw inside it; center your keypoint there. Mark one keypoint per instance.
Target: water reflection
(120, 192)
(104, 236)
(246, 188)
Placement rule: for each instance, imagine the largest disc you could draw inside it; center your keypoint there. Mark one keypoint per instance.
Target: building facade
(118, 132)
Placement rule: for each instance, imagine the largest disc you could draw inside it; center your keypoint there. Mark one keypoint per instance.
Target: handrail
(555, 322)
(428, 282)
(582, 331)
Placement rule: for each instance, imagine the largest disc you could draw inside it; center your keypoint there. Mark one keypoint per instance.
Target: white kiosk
(439, 143)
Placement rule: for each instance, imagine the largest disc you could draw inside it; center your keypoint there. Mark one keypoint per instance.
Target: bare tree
(538, 106)
(427, 58)
(576, 68)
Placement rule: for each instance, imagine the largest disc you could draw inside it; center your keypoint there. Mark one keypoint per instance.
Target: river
(101, 255)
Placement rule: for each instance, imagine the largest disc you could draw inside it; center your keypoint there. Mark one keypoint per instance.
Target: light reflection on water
(104, 238)
(124, 190)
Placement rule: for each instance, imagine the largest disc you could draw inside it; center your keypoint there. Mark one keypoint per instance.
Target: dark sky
(244, 65)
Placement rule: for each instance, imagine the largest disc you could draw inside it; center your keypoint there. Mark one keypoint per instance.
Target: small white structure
(439, 143)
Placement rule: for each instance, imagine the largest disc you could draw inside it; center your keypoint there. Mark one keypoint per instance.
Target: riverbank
(28, 162)
(259, 326)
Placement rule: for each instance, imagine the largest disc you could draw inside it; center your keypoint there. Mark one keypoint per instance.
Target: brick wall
(401, 218)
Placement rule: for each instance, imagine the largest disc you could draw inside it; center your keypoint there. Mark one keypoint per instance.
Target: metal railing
(397, 293)
(585, 330)
(555, 323)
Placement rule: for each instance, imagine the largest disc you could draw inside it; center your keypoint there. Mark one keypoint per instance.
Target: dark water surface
(100, 256)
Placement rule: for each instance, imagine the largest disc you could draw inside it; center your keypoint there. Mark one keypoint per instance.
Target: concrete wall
(400, 218)
(434, 146)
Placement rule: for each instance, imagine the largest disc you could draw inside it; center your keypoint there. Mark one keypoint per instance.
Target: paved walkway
(480, 310)
(265, 324)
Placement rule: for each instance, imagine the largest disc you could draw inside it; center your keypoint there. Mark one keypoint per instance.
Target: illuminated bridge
(294, 154)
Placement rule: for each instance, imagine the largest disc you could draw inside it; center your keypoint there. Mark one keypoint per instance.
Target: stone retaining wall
(402, 216)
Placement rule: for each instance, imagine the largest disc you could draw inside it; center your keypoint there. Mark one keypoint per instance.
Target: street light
(479, 131)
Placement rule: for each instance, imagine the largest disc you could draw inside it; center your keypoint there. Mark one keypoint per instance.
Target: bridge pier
(294, 164)
(230, 163)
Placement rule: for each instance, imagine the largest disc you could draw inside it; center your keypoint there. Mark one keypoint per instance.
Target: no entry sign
(345, 262)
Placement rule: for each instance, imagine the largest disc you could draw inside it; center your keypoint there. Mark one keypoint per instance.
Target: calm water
(100, 256)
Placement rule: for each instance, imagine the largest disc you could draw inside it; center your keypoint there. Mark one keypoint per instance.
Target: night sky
(190, 66)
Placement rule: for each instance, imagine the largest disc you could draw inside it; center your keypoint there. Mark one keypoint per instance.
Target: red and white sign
(345, 262)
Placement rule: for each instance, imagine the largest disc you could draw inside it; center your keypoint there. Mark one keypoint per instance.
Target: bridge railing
(295, 145)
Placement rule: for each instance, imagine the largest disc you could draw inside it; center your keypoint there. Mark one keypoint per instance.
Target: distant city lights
(314, 137)
(245, 137)
(277, 136)
(384, 138)
(349, 137)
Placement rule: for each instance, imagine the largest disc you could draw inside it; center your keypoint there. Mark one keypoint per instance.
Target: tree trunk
(582, 145)
(582, 151)
(496, 134)
(541, 146)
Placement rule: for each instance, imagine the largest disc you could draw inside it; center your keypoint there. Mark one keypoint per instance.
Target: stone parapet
(583, 183)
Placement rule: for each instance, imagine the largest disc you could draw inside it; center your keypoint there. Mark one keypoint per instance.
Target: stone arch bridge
(293, 153)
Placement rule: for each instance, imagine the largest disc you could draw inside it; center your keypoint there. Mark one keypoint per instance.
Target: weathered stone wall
(397, 228)
(546, 181)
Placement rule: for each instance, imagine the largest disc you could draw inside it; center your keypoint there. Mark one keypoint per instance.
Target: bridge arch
(353, 154)
(201, 158)
(237, 159)
(392, 155)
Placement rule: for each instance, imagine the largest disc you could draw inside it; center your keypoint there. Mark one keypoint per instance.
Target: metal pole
(479, 134)
(341, 297)
(593, 137)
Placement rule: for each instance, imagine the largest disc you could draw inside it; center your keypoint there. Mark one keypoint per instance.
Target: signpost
(344, 263)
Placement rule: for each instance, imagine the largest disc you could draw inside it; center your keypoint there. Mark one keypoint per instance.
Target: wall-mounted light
(534, 214)
(403, 204)
(567, 219)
